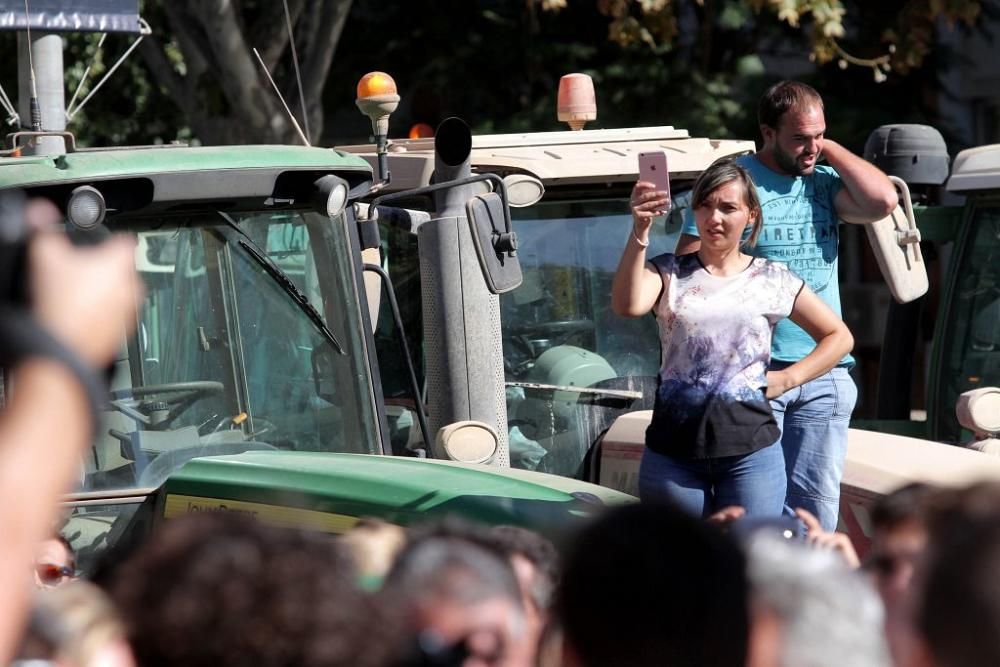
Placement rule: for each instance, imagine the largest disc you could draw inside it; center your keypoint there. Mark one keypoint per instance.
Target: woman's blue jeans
(755, 481)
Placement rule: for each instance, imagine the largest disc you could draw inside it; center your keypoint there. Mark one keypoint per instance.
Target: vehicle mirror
(895, 241)
(468, 442)
(523, 190)
(323, 367)
(496, 245)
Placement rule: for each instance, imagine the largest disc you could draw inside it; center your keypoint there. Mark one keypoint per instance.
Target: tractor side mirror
(495, 241)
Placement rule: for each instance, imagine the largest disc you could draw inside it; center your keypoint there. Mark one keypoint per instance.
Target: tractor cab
(251, 383)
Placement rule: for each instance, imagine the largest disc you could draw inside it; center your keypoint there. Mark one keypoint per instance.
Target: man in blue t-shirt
(802, 202)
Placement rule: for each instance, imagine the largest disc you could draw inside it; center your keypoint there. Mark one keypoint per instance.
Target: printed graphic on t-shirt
(801, 231)
(715, 337)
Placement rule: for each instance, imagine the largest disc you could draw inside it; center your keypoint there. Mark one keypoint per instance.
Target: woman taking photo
(713, 441)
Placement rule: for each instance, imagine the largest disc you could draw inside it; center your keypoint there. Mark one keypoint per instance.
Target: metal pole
(47, 55)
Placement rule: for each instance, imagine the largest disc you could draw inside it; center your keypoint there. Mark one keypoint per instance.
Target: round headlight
(336, 200)
(86, 207)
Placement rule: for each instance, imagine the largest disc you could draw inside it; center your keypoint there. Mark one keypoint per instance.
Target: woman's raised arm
(637, 283)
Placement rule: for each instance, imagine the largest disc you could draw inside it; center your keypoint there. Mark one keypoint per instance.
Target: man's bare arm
(868, 194)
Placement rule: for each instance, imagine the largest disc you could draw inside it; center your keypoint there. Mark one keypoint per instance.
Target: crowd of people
(645, 584)
(731, 558)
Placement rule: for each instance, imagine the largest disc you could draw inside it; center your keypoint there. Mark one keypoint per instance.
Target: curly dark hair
(219, 589)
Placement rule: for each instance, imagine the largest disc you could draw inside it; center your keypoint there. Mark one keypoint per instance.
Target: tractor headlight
(86, 207)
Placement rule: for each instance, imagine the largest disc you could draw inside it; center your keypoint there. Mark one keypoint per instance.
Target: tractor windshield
(247, 340)
(572, 365)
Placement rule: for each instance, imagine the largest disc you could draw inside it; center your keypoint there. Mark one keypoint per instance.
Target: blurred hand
(778, 383)
(85, 297)
(646, 203)
(726, 516)
(821, 539)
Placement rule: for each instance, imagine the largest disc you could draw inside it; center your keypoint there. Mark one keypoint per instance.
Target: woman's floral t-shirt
(715, 338)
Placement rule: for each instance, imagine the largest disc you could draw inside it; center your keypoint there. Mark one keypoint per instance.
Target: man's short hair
(829, 615)
(907, 503)
(451, 568)
(649, 585)
(448, 565)
(537, 550)
(783, 97)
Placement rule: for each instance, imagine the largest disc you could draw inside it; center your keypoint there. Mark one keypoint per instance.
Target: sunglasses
(51, 574)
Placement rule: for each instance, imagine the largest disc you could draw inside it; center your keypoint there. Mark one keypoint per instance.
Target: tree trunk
(218, 82)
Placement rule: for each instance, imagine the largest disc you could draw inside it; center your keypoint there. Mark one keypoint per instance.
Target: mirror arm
(498, 186)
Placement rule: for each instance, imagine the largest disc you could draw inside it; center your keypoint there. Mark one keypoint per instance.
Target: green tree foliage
(907, 38)
(696, 64)
(196, 76)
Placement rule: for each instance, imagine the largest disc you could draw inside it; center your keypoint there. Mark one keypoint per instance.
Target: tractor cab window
(227, 356)
(971, 357)
(572, 365)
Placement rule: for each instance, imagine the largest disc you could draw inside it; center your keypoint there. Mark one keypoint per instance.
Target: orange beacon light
(377, 99)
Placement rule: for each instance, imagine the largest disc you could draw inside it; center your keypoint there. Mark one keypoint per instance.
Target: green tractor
(252, 382)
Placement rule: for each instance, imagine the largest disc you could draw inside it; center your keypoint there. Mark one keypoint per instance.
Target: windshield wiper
(284, 282)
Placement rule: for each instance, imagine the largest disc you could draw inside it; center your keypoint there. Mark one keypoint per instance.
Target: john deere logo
(288, 517)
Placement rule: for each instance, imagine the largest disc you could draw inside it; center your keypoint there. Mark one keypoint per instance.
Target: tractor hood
(330, 492)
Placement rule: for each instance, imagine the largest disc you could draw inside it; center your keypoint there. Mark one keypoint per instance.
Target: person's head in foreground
(958, 615)
(810, 609)
(219, 589)
(648, 585)
(453, 600)
(76, 625)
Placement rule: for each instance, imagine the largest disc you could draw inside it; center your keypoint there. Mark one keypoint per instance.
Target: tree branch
(237, 72)
(191, 40)
(164, 73)
(318, 56)
(270, 34)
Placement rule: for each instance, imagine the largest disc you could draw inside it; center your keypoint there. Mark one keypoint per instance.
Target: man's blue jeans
(813, 420)
(755, 481)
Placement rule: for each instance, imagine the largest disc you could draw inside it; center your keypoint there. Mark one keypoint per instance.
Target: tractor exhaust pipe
(465, 375)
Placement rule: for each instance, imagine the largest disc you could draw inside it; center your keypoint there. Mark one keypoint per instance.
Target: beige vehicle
(579, 381)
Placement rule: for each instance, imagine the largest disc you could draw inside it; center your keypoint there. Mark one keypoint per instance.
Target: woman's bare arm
(833, 341)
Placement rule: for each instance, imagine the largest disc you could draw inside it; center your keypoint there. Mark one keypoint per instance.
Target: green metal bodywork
(400, 490)
(35, 171)
(938, 223)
